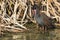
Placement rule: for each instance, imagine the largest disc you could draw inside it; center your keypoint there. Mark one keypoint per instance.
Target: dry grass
(11, 11)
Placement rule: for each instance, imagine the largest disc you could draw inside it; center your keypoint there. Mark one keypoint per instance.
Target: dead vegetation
(13, 13)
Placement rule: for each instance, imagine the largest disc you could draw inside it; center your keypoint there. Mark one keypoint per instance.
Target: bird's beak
(34, 12)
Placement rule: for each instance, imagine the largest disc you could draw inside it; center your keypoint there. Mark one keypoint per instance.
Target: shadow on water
(49, 35)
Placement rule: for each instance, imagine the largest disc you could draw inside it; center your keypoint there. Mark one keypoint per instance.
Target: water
(50, 35)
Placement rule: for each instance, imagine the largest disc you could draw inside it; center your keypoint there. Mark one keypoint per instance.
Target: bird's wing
(46, 20)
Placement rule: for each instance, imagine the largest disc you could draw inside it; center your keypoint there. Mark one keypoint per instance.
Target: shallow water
(49, 35)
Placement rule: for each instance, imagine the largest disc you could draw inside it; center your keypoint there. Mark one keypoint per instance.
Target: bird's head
(34, 9)
(34, 12)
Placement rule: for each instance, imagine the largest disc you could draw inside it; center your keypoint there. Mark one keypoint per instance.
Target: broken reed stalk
(10, 14)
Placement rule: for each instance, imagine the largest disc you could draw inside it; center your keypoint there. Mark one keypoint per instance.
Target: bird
(42, 19)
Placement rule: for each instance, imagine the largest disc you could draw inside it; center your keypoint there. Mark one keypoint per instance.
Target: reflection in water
(50, 35)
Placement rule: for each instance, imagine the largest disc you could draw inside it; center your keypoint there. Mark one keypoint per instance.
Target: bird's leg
(38, 27)
(42, 28)
(45, 29)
